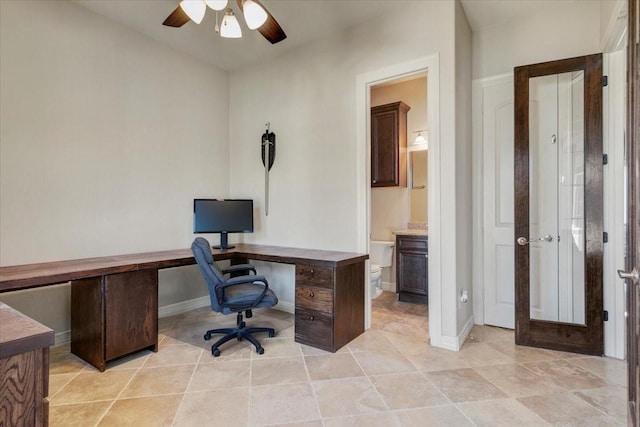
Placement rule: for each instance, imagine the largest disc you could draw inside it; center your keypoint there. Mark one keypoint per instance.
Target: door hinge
(605, 237)
(605, 80)
(606, 316)
(605, 159)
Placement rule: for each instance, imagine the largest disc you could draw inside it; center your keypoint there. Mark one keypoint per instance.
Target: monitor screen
(222, 216)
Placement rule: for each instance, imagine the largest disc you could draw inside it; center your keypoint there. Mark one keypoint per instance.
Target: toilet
(380, 256)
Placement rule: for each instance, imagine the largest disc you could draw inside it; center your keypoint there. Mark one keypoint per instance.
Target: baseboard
(183, 306)
(178, 308)
(388, 286)
(63, 337)
(455, 343)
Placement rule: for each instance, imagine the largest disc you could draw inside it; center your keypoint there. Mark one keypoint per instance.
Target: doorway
(365, 81)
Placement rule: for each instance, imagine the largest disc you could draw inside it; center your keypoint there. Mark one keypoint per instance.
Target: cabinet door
(131, 312)
(412, 272)
(384, 149)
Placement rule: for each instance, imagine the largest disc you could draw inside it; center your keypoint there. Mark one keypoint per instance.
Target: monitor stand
(224, 242)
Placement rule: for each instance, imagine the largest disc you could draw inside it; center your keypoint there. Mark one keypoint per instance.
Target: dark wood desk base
(114, 300)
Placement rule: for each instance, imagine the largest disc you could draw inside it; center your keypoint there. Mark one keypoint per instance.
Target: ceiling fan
(255, 15)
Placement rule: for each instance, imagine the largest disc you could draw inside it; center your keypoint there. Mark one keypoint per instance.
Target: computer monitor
(222, 216)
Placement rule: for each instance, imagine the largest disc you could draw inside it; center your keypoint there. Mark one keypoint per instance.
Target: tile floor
(388, 376)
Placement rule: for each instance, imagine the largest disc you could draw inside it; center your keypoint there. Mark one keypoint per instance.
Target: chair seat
(269, 300)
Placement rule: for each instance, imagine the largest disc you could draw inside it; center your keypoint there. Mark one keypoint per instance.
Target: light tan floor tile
(277, 347)
(517, 381)
(160, 380)
(383, 419)
(183, 354)
(371, 340)
(462, 385)
(500, 413)
(332, 366)
(313, 423)
(519, 353)
(77, 414)
(412, 390)
(282, 403)
(482, 354)
(283, 370)
(220, 374)
(408, 345)
(223, 407)
(142, 412)
(437, 359)
(612, 370)
(448, 416)
(92, 386)
(61, 361)
(353, 396)
(566, 375)
(612, 400)
(596, 421)
(486, 333)
(560, 408)
(56, 382)
(380, 362)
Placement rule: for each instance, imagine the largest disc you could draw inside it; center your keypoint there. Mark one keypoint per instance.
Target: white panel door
(497, 158)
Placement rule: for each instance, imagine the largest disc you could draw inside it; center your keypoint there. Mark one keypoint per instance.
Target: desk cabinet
(114, 315)
(389, 145)
(329, 305)
(412, 268)
(24, 369)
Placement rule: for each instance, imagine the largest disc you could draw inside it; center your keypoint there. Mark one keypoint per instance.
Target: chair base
(241, 331)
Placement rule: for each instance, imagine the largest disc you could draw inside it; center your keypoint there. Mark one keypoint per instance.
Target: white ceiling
(302, 20)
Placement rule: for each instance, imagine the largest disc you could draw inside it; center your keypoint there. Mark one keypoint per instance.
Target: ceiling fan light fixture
(194, 9)
(216, 4)
(230, 27)
(254, 14)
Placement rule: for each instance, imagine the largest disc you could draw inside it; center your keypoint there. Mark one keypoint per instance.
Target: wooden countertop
(20, 334)
(42, 274)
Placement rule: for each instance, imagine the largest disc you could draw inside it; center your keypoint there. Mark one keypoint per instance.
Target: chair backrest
(212, 275)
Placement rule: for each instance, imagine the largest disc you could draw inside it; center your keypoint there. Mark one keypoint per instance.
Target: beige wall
(106, 138)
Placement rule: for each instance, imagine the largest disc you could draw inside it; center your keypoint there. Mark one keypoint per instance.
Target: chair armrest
(254, 280)
(239, 267)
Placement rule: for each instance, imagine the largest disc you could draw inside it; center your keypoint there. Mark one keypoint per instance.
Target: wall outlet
(464, 295)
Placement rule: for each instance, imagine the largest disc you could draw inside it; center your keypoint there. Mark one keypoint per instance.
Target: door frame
(587, 338)
(364, 81)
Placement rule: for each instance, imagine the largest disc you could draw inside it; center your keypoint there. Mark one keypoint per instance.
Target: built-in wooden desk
(114, 299)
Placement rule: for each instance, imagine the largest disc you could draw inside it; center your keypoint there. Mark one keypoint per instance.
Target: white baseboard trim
(178, 308)
(183, 306)
(388, 286)
(63, 337)
(455, 343)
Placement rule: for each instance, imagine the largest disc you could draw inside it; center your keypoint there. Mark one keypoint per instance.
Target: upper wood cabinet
(389, 145)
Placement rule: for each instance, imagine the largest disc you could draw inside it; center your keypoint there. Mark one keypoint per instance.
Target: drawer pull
(310, 317)
(311, 294)
(311, 271)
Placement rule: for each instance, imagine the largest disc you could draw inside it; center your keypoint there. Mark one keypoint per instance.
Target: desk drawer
(314, 298)
(314, 328)
(311, 275)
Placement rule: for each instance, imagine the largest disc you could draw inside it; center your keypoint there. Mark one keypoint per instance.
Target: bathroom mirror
(418, 160)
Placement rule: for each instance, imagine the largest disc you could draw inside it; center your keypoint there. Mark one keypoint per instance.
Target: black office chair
(233, 295)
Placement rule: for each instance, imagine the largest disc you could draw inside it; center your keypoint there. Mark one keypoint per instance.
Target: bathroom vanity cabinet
(389, 145)
(412, 268)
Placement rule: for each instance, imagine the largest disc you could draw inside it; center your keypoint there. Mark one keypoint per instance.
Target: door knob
(630, 275)
(523, 240)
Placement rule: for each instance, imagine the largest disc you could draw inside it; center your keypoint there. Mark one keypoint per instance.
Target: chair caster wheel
(272, 334)
(207, 337)
(260, 350)
(215, 352)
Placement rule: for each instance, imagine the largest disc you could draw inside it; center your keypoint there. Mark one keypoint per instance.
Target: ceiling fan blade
(177, 18)
(270, 30)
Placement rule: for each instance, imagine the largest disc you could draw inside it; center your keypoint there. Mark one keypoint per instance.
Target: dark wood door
(412, 268)
(388, 145)
(533, 176)
(633, 211)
